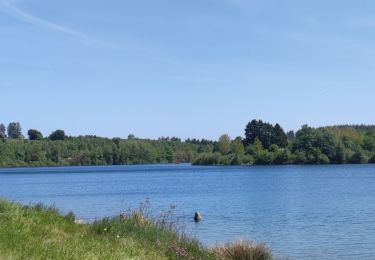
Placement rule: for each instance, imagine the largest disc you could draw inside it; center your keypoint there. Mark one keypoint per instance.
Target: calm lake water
(301, 212)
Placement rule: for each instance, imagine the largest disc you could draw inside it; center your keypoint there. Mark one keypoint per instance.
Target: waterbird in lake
(197, 217)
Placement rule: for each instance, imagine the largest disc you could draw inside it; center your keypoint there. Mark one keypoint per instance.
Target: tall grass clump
(242, 250)
(160, 233)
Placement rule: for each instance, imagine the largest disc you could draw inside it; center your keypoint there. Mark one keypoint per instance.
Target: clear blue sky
(193, 68)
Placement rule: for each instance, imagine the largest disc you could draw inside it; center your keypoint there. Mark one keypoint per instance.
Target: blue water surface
(301, 212)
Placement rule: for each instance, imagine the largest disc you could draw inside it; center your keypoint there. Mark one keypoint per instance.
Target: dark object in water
(197, 217)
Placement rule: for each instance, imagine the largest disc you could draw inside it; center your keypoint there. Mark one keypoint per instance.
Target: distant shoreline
(173, 164)
(263, 144)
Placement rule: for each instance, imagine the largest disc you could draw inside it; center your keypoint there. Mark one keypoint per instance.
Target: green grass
(39, 232)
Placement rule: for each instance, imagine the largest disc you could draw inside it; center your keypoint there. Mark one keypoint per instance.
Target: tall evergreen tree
(265, 132)
(280, 138)
(14, 130)
(3, 133)
(290, 134)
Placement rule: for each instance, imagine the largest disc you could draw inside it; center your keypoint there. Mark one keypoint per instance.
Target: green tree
(224, 144)
(257, 129)
(369, 142)
(2, 131)
(34, 153)
(290, 135)
(34, 134)
(281, 156)
(237, 146)
(358, 157)
(279, 136)
(15, 130)
(305, 139)
(258, 147)
(266, 133)
(57, 135)
(169, 154)
(264, 158)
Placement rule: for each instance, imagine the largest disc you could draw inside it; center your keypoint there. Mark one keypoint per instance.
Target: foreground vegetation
(263, 143)
(38, 232)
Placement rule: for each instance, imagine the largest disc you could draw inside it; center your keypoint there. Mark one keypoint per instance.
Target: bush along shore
(39, 232)
(263, 143)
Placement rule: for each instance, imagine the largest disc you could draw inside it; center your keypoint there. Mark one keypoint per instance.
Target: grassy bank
(38, 232)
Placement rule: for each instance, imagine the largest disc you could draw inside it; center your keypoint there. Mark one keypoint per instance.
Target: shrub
(242, 250)
(300, 157)
(372, 159)
(322, 159)
(247, 159)
(264, 158)
(281, 157)
(358, 157)
(208, 159)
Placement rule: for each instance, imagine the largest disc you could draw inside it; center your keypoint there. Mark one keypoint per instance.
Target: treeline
(59, 149)
(263, 144)
(267, 144)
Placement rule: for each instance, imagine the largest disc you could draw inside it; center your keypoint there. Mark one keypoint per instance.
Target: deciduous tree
(224, 144)
(57, 135)
(34, 134)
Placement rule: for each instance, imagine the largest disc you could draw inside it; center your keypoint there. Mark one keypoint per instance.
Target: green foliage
(57, 135)
(372, 159)
(369, 142)
(15, 130)
(39, 232)
(2, 131)
(322, 159)
(256, 129)
(264, 144)
(290, 135)
(358, 157)
(266, 133)
(325, 145)
(34, 134)
(279, 137)
(237, 146)
(224, 144)
(281, 156)
(90, 150)
(208, 159)
(264, 158)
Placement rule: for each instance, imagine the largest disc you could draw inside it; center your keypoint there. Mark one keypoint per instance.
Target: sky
(186, 68)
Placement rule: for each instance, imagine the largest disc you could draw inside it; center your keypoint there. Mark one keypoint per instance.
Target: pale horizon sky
(192, 68)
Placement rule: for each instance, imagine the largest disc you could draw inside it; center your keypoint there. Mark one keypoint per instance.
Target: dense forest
(262, 144)
(267, 144)
(59, 149)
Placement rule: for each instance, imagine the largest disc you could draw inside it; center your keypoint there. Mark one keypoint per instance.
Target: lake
(301, 212)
